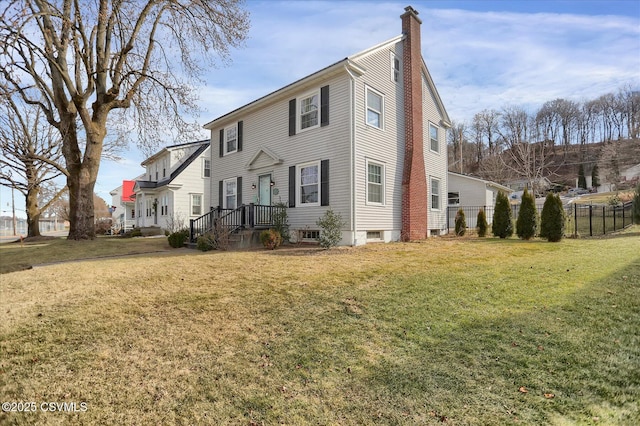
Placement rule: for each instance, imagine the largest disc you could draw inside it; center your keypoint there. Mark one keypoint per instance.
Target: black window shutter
(221, 142)
(239, 191)
(292, 186)
(239, 135)
(292, 117)
(324, 183)
(324, 106)
(220, 185)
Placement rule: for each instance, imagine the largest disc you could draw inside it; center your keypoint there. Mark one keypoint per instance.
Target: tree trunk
(33, 212)
(81, 180)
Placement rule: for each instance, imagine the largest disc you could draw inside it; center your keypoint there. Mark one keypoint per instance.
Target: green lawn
(462, 331)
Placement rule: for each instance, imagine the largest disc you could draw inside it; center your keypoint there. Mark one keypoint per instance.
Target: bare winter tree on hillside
(88, 60)
(30, 158)
(526, 159)
(485, 128)
(457, 136)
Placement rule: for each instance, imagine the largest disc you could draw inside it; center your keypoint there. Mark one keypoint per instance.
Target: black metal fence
(581, 220)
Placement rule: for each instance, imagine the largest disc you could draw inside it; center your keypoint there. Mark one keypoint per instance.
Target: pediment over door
(263, 157)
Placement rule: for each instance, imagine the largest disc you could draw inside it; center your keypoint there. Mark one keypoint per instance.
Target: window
(164, 167)
(206, 168)
(149, 207)
(375, 105)
(196, 204)
(230, 193)
(435, 194)
(164, 205)
(309, 106)
(309, 184)
(374, 235)
(433, 137)
(395, 68)
(231, 139)
(454, 198)
(133, 213)
(309, 234)
(375, 183)
(156, 171)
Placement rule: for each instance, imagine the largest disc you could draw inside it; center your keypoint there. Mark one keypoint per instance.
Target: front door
(264, 198)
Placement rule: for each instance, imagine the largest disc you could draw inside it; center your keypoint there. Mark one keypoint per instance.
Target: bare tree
(457, 136)
(87, 59)
(485, 125)
(30, 158)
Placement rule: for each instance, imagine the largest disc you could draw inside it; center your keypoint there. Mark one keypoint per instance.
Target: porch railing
(247, 216)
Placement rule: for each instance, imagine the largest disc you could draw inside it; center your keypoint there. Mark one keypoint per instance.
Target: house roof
(486, 182)
(343, 65)
(146, 184)
(127, 190)
(170, 148)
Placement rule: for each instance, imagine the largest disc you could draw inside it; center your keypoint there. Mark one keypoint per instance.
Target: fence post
(590, 220)
(190, 230)
(575, 220)
(614, 219)
(604, 219)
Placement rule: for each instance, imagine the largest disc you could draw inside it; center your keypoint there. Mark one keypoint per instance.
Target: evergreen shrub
(461, 223)
(502, 217)
(527, 222)
(482, 224)
(552, 219)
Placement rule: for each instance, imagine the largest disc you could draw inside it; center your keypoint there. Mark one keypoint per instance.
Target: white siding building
(364, 136)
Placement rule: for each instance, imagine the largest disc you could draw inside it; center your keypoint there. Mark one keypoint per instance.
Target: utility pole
(13, 208)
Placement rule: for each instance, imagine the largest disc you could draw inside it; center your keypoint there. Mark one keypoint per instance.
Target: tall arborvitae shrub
(595, 177)
(502, 218)
(527, 222)
(461, 223)
(482, 224)
(552, 219)
(582, 180)
(636, 205)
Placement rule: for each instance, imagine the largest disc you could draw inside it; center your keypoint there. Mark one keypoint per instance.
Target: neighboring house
(472, 194)
(542, 184)
(365, 136)
(123, 199)
(175, 186)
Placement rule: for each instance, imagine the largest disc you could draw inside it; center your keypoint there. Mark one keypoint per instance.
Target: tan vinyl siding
(435, 162)
(385, 146)
(268, 128)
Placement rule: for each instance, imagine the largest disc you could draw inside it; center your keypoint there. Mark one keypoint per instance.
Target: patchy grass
(605, 197)
(467, 331)
(18, 256)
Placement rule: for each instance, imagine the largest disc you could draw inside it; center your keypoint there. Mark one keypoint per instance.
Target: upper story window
(309, 107)
(433, 137)
(206, 167)
(375, 108)
(395, 68)
(231, 139)
(375, 183)
(164, 167)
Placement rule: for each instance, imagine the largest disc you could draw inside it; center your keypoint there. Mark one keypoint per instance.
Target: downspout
(352, 154)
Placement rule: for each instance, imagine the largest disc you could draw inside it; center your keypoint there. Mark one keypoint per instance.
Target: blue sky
(481, 54)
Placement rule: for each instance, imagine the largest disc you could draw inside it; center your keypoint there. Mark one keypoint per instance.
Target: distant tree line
(514, 141)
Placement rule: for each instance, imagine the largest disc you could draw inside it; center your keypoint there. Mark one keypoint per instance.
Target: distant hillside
(564, 162)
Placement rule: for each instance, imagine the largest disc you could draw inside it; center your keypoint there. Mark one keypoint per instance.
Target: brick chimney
(414, 181)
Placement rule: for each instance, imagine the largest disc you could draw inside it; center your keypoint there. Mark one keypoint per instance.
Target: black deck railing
(247, 216)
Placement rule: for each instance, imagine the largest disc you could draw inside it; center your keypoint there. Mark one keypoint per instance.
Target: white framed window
(309, 107)
(374, 235)
(164, 167)
(375, 183)
(308, 183)
(435, 194)
(164, 205)
(375, 108)
(433, 138)
(149, 206)
(156, 171)
(196, 204)
(231, 139)
(453, 199)
(395, 68)
(206, 167)
(230, 193)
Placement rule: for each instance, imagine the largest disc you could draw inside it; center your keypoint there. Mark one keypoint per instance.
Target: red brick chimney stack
(414, 182)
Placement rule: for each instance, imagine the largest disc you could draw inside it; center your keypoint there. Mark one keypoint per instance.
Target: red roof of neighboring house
(127, 190)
